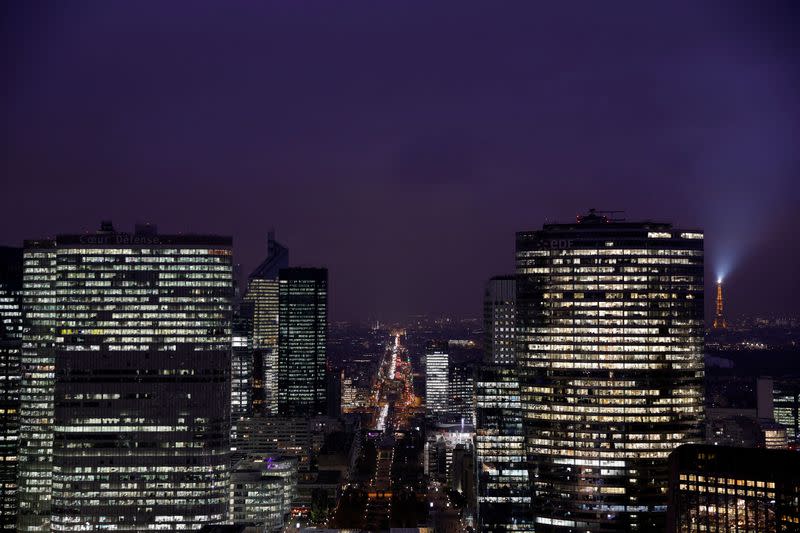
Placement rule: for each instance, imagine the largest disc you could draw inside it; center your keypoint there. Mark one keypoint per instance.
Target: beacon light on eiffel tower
(719, 319)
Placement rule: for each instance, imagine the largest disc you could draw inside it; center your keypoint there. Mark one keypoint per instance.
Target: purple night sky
(401, 143)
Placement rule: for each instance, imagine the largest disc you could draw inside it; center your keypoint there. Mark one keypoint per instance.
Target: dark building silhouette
(334, 392)
(302, 341)
(610, 354)
(10, 353)
(721, 488)
(140, 341)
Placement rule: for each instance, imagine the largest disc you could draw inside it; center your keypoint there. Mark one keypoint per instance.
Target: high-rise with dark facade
(461, 391)
(785, 395)
(610, 351)
(262, 293)
(10, 352)
(729, 489)
(502, 474)
(302, 341)
(140, 333)
(500, 319)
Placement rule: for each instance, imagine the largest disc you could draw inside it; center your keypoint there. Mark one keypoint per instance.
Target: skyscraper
(503, 483)
(610, 342)
(499, 319)
(242, 362)
(37, 383)
(141, 336)
(262, 293)
(10, 352)
(437, 386)
(302, 341)
(461, 391)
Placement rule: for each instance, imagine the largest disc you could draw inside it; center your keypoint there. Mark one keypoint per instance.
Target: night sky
(401, 144)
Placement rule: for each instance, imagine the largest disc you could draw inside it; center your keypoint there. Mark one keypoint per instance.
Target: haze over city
(403, 144)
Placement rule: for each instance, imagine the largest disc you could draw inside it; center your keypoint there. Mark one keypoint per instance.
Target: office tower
(242, 363)
(37, 382)
(263, 293)
(262, 490)
(610, 351)
(499, 319)
(141, 346)
(437, 389)
(779, 398)
(720, 488)
(502, 479)
(10, 353)
(503, 487)
(461, 391)
(302, 341)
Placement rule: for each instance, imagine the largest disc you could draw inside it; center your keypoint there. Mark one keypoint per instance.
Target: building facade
(502, 471)
(10, 354)
(500, 319)
(37, 383)
(242, 363)
(141, 358)
(303, 342)
(723, 489)
(461, 391)
(437, 385)
(262, 293)
(610, 351)
(262, 490)
(786, 406)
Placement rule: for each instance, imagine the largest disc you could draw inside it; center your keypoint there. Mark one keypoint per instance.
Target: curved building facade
(610, 339)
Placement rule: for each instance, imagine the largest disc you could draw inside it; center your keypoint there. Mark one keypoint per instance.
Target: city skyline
(713, 279)
(426, 136)
(431, 267)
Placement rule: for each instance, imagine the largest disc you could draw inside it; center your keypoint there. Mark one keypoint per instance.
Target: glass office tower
(500, 319)
(37, 382)
(263, 290)
(303, 342)
(502, 472)
(437, 384)
(242, 363)
(141, 343)
(10, 352)
(610, 351)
